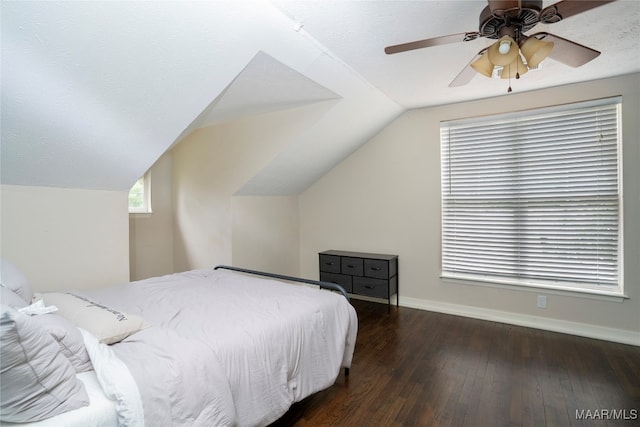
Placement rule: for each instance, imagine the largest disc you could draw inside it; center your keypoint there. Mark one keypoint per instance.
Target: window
(534, 198)
(140, 195)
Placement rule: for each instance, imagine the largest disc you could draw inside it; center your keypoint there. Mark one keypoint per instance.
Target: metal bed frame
(323, 285)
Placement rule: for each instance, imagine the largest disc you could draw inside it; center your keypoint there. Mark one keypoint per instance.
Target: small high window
(140, 195)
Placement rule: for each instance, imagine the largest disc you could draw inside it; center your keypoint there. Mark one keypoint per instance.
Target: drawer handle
(351, 266)
(369, 287)
(328, 263)
(375, 268)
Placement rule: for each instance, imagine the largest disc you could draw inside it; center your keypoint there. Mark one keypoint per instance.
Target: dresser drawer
(377, 268)
(340, 279)
(373, 275)
(352, 266)
(376, 288)
(330, 263)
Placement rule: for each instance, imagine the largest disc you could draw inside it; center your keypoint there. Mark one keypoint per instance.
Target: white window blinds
(534, 198)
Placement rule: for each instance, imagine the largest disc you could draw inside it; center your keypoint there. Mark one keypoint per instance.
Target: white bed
(211, 347)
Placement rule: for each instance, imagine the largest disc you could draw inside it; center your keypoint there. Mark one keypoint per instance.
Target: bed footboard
(323, 285)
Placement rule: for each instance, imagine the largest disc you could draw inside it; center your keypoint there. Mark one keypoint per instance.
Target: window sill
(548, 289)
(137, 215)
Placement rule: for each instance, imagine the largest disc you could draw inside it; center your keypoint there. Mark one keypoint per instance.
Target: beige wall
(385, 198)
(210, 223)
(66, 238)
(151, 235)
(266, 234)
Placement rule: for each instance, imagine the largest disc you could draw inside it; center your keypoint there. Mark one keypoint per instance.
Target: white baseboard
(554, 325)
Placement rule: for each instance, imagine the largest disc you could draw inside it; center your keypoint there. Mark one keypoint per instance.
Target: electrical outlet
(542, 301)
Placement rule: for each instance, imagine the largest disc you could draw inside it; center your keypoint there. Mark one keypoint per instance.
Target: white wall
(66, 238)
(385, 198)
(151, 235)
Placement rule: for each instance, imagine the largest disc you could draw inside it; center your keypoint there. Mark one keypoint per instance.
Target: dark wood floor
(417, 368)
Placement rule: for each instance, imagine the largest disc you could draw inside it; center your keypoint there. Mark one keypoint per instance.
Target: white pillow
(107, 324)
(36, 380)
(13, 279)
(10, 298)
(68, 337)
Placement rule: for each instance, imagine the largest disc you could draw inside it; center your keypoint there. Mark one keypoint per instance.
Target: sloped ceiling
(94, 92)
(264, 85)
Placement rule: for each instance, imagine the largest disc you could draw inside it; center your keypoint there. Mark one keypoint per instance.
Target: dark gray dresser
(361, 273)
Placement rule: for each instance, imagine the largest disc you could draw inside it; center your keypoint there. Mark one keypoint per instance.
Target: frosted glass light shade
(483, 66)
(516, 67)
(498, 58)
(535, 51)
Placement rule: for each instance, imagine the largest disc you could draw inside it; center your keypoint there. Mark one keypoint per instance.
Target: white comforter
(228, 349)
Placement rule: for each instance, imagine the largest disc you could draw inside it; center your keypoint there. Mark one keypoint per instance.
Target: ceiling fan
(508, 21)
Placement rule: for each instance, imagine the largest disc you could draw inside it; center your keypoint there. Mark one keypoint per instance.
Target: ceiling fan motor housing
(509, 17)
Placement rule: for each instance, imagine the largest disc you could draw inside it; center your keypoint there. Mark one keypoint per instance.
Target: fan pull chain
(509, 90)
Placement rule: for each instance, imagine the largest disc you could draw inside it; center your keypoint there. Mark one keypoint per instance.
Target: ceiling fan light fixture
(504, 44)
(507, 22)
(535, 51)
(483, 66)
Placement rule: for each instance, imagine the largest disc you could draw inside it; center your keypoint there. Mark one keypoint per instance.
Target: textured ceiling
(358, 31)
(94, 92)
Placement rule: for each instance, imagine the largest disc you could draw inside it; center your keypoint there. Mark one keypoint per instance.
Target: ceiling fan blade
(567, 8)
(467, 72)
(453, 38)
(566, 51)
